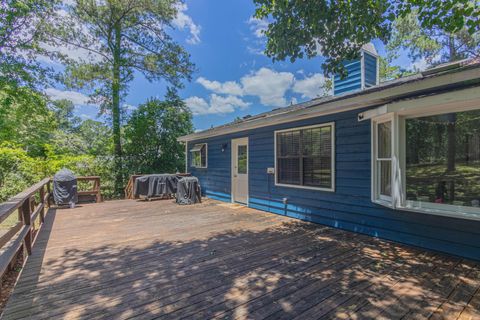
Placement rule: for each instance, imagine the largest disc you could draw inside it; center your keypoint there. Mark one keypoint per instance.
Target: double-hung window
(199, 155)
(383, 159)
(305, 157)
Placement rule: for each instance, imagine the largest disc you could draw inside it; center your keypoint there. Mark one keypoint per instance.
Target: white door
(240, 170)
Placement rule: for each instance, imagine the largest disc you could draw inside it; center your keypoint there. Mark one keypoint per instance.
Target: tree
(122, 37)
(338, 29)
(434, 44)
(151, 135)
(25, 119)
(63, 110)
(96, 137)
(23, 25)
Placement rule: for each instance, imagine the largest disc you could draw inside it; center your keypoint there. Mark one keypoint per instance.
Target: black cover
(65, 187)
(188, 191)
(156, 185)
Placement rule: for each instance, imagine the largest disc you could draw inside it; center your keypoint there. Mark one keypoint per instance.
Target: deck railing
(31, 205)
(94, 190)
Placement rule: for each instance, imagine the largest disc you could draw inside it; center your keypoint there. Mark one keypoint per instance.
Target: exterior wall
(370, 70)
(350, 206)
(352, 82)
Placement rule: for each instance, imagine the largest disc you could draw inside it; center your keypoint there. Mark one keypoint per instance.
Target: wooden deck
(129, 259)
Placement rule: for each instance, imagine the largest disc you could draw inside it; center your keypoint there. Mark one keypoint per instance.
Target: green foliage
(450, 15)
(23, 25)
(96, 137)
(433, 43)
(337, 29)
(25, 118)
(17, 170)
(151, 134)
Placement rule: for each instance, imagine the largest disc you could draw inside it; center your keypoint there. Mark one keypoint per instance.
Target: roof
(443, 77)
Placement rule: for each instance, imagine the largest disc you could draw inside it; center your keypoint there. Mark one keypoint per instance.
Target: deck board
(156, 260)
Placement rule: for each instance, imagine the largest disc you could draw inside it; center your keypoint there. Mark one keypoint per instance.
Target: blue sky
(233, 77)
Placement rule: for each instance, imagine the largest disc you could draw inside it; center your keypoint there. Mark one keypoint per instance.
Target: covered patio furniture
(188, 191)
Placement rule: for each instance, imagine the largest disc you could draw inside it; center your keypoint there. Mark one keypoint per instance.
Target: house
(399, 160)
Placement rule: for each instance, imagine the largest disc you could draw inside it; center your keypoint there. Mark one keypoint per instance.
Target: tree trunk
(116, 111)
(451, 142)
(451, 118)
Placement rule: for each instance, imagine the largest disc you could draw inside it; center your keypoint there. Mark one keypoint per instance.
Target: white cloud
(229, 87)
(184, 21)
(419, 65)
(76, 98)
(217, 104)
(259, 51)
(269, 85)
(129, 107)
(85, 116)
(310, 87)
(258, 26)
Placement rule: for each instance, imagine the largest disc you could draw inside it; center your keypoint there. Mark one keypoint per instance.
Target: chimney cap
(370, 48)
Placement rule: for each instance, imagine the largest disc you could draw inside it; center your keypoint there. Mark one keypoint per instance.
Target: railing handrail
(23, 232)
(15, 202)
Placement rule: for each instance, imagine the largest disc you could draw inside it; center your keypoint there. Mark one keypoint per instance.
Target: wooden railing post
(26, 212)
(42, 201)
(49, 193)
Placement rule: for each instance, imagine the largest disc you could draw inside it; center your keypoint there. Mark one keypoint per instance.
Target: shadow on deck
(128, 259)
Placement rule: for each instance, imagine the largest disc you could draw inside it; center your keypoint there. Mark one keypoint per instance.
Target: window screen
(304, 157)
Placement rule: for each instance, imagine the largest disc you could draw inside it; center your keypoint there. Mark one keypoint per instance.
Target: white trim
(327, 124)
(245, 140)
(206, 156)
(375, 193)
(459, 100)
(362, 70)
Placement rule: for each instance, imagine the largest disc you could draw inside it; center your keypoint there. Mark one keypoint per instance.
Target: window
(428, 162)
(384, 159)
(199, 155)
(242, 159)
(443, 159)
(304, 157)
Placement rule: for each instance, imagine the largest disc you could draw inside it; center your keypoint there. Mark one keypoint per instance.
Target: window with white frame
(428, 162)
(199, 155)
(304, 157)
(384, 159)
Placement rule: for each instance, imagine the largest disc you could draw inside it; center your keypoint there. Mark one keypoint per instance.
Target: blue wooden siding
(353, 80)
(349, 207)
(370, 70)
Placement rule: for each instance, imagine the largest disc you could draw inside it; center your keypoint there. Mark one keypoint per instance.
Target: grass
(423, 180)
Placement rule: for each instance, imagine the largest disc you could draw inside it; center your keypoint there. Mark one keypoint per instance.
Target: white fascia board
(373, 113)
(348, 103)
(458, 100)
